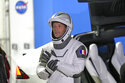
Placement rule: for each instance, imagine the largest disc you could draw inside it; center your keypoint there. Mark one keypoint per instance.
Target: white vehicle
(25, 64)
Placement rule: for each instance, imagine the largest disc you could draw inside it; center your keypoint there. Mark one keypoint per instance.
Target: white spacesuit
(65, 60)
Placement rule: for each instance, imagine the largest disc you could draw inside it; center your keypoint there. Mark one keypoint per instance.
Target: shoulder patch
(81, 52)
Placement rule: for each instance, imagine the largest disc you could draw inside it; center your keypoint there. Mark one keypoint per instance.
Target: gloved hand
(44, 57)
(52, 66)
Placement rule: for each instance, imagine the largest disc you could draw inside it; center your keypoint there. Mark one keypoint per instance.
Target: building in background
(4, 26)
(16, 28)
(21, 28)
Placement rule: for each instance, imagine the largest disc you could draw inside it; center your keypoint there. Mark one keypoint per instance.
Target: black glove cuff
(48, 73)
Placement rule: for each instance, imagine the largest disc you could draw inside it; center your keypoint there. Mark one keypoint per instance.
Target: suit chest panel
(64, 55)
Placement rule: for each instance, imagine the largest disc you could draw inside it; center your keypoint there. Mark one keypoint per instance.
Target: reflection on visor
(57, 14)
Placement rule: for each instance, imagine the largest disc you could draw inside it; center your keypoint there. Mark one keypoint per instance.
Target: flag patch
(83, 52)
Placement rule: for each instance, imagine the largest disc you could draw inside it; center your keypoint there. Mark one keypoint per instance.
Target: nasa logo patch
(21, 7)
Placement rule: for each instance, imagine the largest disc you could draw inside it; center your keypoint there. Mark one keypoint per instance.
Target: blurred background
(24, 23)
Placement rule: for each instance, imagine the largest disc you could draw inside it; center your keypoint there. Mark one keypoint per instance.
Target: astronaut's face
(58, 29)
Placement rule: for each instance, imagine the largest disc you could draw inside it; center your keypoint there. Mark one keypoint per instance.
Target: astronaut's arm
(41, 70)
(73, 70)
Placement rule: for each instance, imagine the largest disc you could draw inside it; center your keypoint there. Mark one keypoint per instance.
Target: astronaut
(64, 59)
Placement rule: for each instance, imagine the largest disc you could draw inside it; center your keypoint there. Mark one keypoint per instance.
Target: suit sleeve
(41, 72)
